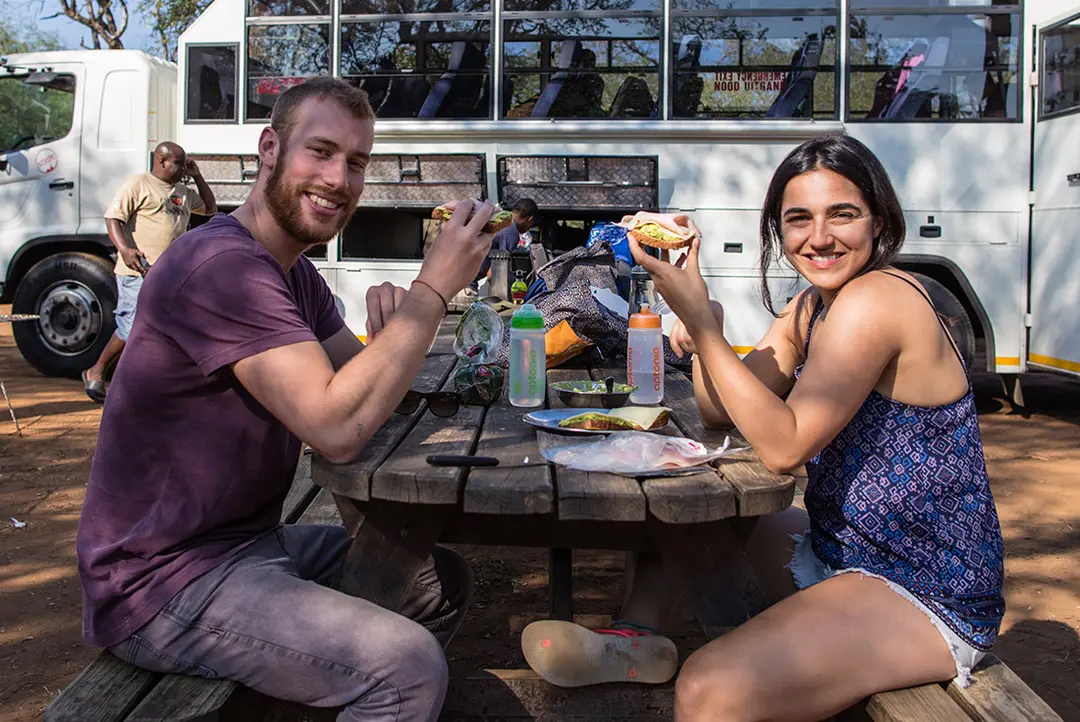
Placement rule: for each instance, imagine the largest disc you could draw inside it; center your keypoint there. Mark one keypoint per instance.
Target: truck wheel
(75, 296)
(955, 316)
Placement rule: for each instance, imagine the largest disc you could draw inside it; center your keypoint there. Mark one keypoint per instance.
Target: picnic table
(396, 505)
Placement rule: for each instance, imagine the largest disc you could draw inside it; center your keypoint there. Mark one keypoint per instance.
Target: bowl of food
(593, 394)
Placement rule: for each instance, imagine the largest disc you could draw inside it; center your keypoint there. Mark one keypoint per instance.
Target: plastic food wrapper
(478, 335)
(476, 341)
(632, 453)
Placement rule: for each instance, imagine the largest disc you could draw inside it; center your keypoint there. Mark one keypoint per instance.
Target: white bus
(596, 108)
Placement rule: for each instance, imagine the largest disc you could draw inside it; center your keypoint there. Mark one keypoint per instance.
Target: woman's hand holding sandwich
(682, 287)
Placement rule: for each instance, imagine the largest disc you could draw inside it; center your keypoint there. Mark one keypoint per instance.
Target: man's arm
(125, 246)
(341, 347)
(336, 413)
(205, 194)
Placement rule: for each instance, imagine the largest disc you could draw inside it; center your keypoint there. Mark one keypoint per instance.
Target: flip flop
(569, 655)
(94, 389)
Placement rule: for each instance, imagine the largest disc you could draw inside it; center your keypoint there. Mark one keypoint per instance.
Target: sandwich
(499, 220)
(668, 231)
(630, 418)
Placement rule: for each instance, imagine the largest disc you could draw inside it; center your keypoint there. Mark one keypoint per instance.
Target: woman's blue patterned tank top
(902, 492)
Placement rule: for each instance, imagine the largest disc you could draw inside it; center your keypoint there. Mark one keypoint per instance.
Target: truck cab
(75, 125)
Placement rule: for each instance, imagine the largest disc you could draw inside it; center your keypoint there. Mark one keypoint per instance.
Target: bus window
(563, 65)
(1061, 69)
(279, 57)
(420, 69)
(271, 8)
(779, 64)
(383, 234)
(912, 63)
(211, 84)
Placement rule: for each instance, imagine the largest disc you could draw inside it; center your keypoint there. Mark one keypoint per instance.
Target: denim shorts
(807, 569)
(127, 296)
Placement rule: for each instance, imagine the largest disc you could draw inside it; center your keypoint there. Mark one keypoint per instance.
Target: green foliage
(34, 114)
(16, 37)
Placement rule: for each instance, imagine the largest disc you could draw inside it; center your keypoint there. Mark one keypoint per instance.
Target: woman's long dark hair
(848, 157)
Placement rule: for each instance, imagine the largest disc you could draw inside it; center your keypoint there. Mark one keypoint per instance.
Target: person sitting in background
(515, 236)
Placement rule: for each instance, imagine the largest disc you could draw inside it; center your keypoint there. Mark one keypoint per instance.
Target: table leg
(561, 584)
(391, 544)
(710, 561)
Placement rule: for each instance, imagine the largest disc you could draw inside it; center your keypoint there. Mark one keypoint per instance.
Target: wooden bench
(110, 690)
(997, 695)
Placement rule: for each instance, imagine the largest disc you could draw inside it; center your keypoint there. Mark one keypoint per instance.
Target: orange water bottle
(645, 357)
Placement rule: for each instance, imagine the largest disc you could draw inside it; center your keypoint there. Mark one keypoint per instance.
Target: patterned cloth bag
(576, 322)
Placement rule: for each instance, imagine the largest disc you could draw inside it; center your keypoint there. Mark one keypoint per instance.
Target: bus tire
(75, 296)
(954, 315)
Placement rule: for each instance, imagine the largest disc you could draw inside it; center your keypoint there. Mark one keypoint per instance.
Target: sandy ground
(1033, 467)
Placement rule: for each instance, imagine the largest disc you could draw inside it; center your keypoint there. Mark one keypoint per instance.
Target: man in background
(149, 212)
(516, 236)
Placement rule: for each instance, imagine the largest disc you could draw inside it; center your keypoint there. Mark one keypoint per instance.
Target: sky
(137, 36)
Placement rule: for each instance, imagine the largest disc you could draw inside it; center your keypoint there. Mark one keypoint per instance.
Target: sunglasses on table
(440, 403)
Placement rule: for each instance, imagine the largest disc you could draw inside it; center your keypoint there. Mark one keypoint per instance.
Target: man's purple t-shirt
(189, 467)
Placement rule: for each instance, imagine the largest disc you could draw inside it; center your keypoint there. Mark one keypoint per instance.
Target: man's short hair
(526, 208)
(350, 98)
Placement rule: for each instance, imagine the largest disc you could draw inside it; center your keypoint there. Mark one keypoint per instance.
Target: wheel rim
(70, 318)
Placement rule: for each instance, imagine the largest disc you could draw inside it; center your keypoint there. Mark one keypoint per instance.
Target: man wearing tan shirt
(150, 211)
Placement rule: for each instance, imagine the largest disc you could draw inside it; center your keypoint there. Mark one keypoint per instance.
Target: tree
(170, 18)
(24, 39)
(106, 19)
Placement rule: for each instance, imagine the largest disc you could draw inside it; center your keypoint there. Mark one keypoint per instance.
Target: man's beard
(286, 205)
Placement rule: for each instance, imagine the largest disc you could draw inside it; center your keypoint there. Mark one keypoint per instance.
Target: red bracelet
(446, 306)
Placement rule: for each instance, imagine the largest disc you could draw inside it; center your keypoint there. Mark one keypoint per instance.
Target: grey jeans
(267, 618)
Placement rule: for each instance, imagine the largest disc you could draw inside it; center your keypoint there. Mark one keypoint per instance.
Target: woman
(879, 408)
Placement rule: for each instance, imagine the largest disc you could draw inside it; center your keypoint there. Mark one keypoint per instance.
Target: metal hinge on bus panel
(1031, 198)
(1028, 319)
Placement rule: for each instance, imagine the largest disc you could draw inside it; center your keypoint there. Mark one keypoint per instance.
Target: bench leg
(710, 562)
(561, 583)
(391, 545)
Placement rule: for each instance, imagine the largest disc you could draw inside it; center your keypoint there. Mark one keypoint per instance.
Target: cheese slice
(630, 418)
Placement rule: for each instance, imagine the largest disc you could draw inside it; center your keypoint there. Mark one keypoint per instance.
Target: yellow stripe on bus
(1057, 363)
(1007, 361)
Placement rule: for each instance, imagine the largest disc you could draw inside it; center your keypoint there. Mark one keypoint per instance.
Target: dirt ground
(1033, 468)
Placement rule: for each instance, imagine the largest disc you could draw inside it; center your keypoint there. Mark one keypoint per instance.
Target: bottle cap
(528, 316)
(645, 319)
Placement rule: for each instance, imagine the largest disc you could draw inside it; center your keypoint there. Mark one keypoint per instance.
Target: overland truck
(594, 109)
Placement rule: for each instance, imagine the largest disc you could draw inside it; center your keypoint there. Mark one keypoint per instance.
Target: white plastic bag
(630, 453)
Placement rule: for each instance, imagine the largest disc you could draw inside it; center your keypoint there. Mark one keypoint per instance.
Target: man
(238, 355)
(515, 236)
(149, 212)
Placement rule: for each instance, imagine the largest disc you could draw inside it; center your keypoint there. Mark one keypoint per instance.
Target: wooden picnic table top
(393, 467)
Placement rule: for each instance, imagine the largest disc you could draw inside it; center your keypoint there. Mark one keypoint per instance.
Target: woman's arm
(856, 341)
(858, 337)
(773, 361)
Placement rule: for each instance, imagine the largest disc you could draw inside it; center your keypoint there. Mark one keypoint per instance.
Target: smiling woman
(895, 572)
(790, 229)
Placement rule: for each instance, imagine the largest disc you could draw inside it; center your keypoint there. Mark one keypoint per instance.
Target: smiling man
(240, 355)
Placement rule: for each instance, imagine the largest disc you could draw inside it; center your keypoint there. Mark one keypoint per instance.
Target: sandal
(569, 655)
(94, 389)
